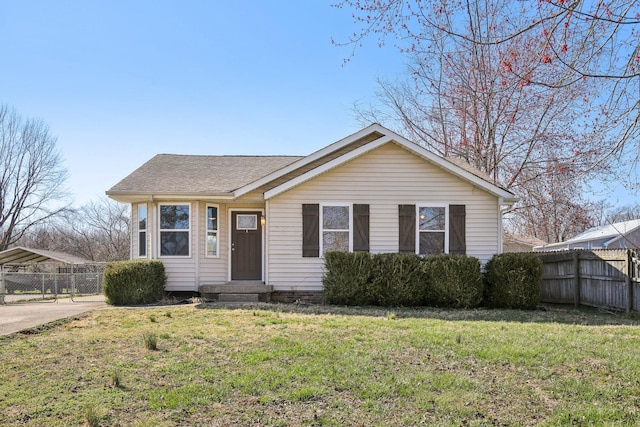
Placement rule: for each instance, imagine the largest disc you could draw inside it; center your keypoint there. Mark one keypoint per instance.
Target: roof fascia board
(311, 158)
(134, 197)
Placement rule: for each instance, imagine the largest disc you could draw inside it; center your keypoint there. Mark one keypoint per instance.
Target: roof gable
(314, 160)
(376, 136)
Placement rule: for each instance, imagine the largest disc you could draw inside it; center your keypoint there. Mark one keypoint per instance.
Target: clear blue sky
(120, 81)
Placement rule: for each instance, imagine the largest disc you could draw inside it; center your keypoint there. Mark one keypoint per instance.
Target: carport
(27, 273)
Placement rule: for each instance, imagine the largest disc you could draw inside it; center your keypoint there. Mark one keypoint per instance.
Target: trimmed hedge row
(408, 280)
(134, 282)
(392, 280)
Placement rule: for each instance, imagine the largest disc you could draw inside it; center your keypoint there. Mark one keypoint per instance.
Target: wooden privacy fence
(604, 278)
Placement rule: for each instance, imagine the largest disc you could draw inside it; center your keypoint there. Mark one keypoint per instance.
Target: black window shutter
(361, 228)
(407, 229)
(457, 231)
(311, 230)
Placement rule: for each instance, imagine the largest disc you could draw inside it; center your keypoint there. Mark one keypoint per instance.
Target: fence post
(2, 286)
(576, 277)
(629, 269)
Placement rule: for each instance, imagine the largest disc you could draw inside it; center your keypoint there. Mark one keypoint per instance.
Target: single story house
(620, 235)
(221, 223)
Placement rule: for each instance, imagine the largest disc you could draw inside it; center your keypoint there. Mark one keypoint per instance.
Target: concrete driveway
(18, 317)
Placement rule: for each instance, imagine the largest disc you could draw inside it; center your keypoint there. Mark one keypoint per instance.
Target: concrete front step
(237, 288)
(246, 291)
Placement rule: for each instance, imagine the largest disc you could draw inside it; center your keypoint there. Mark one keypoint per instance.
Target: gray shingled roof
(193, 174)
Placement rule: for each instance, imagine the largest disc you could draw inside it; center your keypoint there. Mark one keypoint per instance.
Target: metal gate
(46, 281)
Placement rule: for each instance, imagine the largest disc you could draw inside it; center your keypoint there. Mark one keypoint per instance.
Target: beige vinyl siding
(383, 178)
(254, 198)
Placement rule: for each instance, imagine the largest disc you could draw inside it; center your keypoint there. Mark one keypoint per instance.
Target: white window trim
(206, 231)
(145, 231)
(446, 224)
(321, 225)
(160, 230)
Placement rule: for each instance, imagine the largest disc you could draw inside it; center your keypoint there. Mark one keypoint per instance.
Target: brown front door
(246, 246)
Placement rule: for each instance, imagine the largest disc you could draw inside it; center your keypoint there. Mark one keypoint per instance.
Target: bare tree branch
(31, 178)
(567, 44)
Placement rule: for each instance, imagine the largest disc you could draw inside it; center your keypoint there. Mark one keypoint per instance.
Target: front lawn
(289, 366)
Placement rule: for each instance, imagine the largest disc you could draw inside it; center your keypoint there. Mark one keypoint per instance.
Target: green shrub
(454, 281)
(347, 277)
(409, 280)
(512, 280)
(134, 282)
(397, 280)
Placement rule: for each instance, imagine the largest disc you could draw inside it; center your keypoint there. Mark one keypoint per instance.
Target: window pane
(142, 243)
(142, 217)
(174, 243)
(212, 244)
(432, 218)
(212, 218)
(335, 241)
(174, 217)
(247, 222)
(335, 217)
(431, 243)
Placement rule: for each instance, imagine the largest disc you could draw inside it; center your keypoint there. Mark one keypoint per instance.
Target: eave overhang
(142, 197)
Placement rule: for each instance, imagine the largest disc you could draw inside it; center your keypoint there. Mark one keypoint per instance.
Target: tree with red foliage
(515, 89)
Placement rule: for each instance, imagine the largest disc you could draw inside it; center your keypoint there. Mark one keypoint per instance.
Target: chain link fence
(46, 281)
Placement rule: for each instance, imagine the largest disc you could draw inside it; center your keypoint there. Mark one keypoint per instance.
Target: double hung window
(336, 228)
(432, 229)
(212, 231)
(174, 230)
(429, 229)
